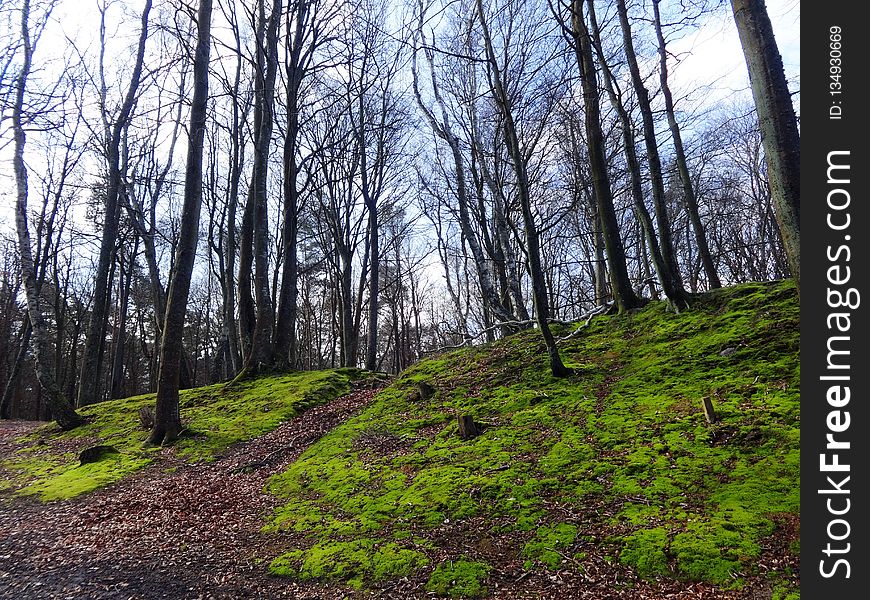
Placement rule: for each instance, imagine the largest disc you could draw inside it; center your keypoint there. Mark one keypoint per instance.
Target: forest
(433, 178)
(346, 200)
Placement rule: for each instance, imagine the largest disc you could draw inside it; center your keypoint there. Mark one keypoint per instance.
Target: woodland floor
(195, 532)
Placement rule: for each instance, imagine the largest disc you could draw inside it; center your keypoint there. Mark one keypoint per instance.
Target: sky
(713, 56)
(709, 58)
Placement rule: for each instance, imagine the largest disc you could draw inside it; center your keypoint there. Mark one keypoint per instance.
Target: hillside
(608, 484)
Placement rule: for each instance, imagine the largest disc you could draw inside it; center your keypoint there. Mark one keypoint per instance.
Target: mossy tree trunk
(167, 421)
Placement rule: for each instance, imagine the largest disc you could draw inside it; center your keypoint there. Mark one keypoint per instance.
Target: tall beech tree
(167, 421)
(690, 199)
(623, 293)
(258, 312)
(518, 162)
(89, 391)
(305, 32)
(442, 129)
(782, 143)
(664, 257)
(61, 410)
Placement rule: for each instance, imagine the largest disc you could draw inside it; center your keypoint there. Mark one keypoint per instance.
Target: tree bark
(167, 420)
(61, 410)
(623, 293)
(296, 66)
(777, 120)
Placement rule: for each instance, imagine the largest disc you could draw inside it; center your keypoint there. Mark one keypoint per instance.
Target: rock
(95, 454)
(728, 351)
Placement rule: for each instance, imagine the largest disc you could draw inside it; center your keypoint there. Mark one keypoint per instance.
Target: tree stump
(467, 427)
(426, 390)
(709, 412)
(146, 418)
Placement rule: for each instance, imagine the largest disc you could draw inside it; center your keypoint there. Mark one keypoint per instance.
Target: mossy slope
(215, 417)
(616, 461)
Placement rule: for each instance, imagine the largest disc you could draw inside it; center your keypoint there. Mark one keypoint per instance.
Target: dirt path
(193, 533)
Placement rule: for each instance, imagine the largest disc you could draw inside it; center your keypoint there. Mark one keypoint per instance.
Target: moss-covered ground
(617, 460)
(215, 417)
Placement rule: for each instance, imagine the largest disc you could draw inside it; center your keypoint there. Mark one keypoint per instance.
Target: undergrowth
(618, 458)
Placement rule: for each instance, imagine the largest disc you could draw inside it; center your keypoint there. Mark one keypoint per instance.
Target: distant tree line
(364, 181)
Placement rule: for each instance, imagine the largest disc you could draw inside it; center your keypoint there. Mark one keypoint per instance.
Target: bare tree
(306, 23)
(662, 250)
(442, 128)
(623, 292)
(61, 410)
(254, 243)
(518, 161)
(689, 198)
(95, 341)
(167, 421)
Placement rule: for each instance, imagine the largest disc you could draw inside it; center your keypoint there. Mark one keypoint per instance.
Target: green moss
(215, 417)
(711, 551)
(646, 551)
(353, 562)
(62, 483)
(785, 592)
(626, 432)
(459, 579)
(549, 544)
(627, 428)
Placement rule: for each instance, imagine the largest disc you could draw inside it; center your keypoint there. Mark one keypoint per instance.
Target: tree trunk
(442, 130)
(661, 249)
(167, 420)
(95, 339)
(374, 288)
(61, 410)
(623, 293)
(124, 282)
(261, 355)
(285, 331)
(777, 120)
(689, 198)
(539, 286)
(15, 371)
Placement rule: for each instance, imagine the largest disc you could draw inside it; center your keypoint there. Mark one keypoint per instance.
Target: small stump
(709, 412)
(468, 429)
(426, 390)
